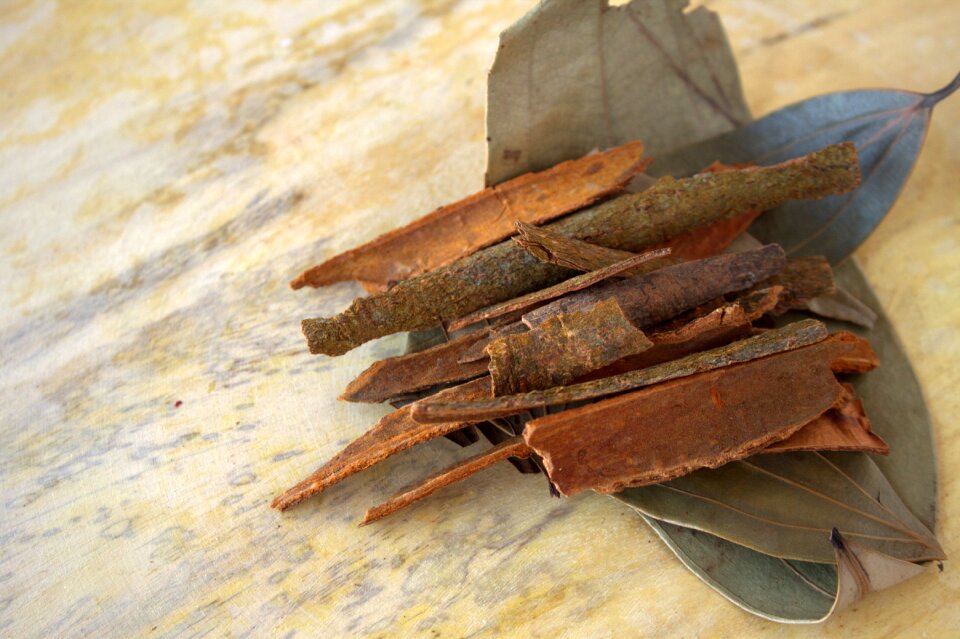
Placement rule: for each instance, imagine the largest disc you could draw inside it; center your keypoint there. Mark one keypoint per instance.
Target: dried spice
(727, 323)
(406, 374)
(630, 222)
(792, 336)
(395, 432)
(564, 348)
(580, 282)
(844, 427)
(553, 247)
(480, 220)
(802, 279)
(703, 420)
(514, 447)
(654, 297)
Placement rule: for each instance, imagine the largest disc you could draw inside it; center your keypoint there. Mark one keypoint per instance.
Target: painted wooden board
(166, 167)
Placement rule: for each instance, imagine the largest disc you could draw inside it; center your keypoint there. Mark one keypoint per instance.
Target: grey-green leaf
(888, 128)
(773, 588)
(785, 505)
(571, 76)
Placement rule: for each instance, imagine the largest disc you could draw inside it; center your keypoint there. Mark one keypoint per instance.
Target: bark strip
(792, 336)
(394, 433)
(574, 284)
(701, 421)
(564, 348)
(482, 219)
(844, 428)
(405, 374)
(514, 447)
(630, 222)
(658, 296)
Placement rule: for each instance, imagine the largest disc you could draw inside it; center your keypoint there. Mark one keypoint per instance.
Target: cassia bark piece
(571, 285)
(404, 374)
(843, 428)
(802, 279)
(792, 336)
(655, 297)
(630, 222)
(482, 219)
(514, 447)
(723, 325)
(564, 348)
(394, 433)
(701, 421)
(548, 245)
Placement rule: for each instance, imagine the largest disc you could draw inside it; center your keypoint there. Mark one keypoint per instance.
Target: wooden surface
(166, 167)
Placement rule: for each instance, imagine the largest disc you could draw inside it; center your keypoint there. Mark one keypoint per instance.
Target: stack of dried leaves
(635, 341)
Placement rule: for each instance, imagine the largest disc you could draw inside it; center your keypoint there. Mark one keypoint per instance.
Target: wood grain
(164, 168)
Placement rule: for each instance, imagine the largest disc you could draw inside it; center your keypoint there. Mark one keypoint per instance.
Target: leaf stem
(933, 98)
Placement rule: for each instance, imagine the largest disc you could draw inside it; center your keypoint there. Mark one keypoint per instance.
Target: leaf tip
(930, 99)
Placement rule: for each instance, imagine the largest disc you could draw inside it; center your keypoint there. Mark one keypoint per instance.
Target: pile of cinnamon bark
(604, 330)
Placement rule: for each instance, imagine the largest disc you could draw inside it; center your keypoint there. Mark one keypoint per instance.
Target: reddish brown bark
(394, 432)
(701, 421)
(654, 297)
(844, 428)
(485, 218)
(514, 447)
(398, 376)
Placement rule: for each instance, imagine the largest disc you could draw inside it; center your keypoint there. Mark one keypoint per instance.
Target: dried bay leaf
(888, 128)
(793, 591)
(769, 587)
(571, 76)
(785, 505)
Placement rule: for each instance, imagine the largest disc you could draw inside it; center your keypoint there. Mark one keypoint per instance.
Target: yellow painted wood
(166, 167)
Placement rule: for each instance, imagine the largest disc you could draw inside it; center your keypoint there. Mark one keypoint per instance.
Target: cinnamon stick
(630, 222)
(565, 287)
(843, 428)
(654, 297)
(482, 219)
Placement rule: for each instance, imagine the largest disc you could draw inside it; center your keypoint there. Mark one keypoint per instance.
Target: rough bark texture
(654, 297)
(701, 421)
(564, 348)
(802, 279)
(394, 432)
(630, 222)
(728, 323)
(405, 374)
(565, 287)
(792, 336)
(480, 220)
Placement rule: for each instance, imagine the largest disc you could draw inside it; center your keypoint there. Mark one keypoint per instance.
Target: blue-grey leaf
(888, 129)
(773, 588)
